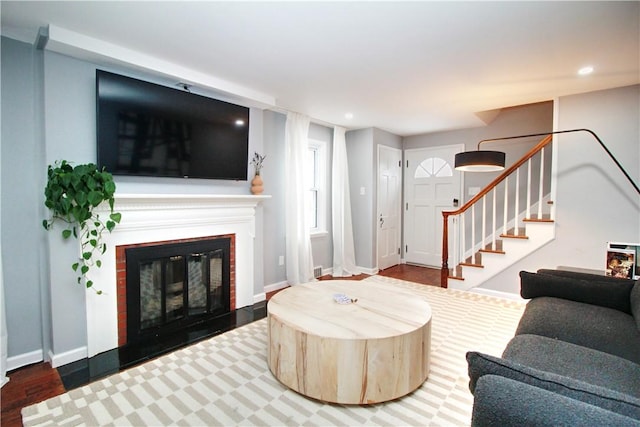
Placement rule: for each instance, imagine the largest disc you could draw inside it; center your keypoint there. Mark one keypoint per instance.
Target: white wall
(594, 202)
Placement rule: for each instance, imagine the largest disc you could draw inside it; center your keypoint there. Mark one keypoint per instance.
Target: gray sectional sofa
(575, 358)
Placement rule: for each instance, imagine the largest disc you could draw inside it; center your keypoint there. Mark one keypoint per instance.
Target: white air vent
(317, 272)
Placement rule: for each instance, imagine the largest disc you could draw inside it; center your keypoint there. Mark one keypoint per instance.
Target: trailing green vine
(71, 194)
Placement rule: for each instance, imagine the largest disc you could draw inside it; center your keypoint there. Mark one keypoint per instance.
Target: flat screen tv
(145, 129)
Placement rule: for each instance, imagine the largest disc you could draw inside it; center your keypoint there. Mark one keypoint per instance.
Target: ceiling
(405, 67)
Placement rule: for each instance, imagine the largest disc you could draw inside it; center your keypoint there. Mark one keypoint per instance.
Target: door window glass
(433, 167)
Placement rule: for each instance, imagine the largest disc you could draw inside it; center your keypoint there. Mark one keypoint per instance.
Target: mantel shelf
(185, 201)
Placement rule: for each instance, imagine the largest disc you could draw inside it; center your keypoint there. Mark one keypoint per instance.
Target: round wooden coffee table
(371, 350)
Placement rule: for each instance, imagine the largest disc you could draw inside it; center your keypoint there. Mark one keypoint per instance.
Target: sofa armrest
(482, 365)
(581, 287)
(500, 401)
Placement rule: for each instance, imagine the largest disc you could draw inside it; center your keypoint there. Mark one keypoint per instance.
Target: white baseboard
(15, 362)
(259, 297)
(370, 271)
(327, 271)
(275, 286)
(67, 357)
(497, 294)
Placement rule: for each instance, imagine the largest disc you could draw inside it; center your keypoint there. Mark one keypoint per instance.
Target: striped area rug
(225, 381)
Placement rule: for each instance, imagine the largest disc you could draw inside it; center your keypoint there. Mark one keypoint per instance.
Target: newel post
(444, 271)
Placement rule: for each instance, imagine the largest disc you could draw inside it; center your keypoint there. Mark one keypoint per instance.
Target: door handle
(381, 221)
(455, 203)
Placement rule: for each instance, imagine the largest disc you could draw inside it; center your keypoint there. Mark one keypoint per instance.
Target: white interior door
(389, 206)
(432, 185)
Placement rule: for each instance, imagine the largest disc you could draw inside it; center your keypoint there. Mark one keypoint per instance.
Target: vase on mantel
(256, 185)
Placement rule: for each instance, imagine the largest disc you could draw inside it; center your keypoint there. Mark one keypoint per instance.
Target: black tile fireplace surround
(84, 371)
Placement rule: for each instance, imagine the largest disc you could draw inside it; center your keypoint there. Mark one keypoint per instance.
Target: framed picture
(622, 260)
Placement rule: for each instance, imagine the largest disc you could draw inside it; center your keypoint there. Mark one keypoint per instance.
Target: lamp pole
(604, 147)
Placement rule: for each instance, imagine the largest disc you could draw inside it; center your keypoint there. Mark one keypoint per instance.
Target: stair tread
(469, 264)
(538, 220)
(513, 236)
(492, 251)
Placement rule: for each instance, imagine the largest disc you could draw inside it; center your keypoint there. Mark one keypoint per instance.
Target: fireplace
(172, 286)
(166, 218)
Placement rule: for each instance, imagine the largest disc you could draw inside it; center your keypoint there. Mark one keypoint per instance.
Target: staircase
(505, 222)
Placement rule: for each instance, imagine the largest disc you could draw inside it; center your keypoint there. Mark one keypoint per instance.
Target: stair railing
(489, 241)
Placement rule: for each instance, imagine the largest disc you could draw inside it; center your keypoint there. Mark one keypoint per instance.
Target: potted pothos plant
(72, 193)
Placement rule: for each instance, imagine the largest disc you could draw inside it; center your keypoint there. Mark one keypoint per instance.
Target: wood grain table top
(379, 310)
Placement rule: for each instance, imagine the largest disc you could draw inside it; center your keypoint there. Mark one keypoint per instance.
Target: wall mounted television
(145, 129)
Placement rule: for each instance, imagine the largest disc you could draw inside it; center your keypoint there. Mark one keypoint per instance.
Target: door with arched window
(431, 186)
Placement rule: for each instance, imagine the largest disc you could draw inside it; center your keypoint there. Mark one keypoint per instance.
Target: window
(316, 182)
(433, 166)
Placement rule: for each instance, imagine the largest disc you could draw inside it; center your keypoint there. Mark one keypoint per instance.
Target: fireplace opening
(171, 287)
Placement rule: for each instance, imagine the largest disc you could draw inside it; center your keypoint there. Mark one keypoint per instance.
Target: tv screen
(145, 129)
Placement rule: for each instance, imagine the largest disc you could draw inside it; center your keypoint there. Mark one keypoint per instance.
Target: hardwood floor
(35, 383)
(28, 385)
(413, 273)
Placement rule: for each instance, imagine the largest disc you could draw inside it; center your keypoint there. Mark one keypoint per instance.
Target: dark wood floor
(35, 383)
(28, 385)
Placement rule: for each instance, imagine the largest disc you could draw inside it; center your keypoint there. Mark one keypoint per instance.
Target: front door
(432, 185)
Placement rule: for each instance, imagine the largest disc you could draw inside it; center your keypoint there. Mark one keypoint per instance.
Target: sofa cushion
(587, 288)
(500, 401)
(581, 363)
(482, 364)
(600, 328)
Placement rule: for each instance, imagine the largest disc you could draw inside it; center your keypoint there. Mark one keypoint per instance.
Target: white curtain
(299, 260)
(344, 257)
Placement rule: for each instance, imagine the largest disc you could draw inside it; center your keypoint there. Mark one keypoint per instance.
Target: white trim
(87, 48)
(398, 211)
(67, 357)
(322, 188)
(275, 286)
(327, 271)
(24, 359)
(259, 297)
(370, 271)
(319, 234)
(158, 217)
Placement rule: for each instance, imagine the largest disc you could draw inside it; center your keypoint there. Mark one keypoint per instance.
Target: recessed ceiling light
(239, 122)
(585, 70)
(348, 116)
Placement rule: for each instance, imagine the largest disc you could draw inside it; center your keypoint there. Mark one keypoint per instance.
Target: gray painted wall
(22, 173)
(594, 202)
(274, 209)
(362, 156)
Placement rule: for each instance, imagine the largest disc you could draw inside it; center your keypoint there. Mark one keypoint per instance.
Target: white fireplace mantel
(159, 217)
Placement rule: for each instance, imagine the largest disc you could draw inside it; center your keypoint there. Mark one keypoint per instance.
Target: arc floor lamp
(489, 161)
